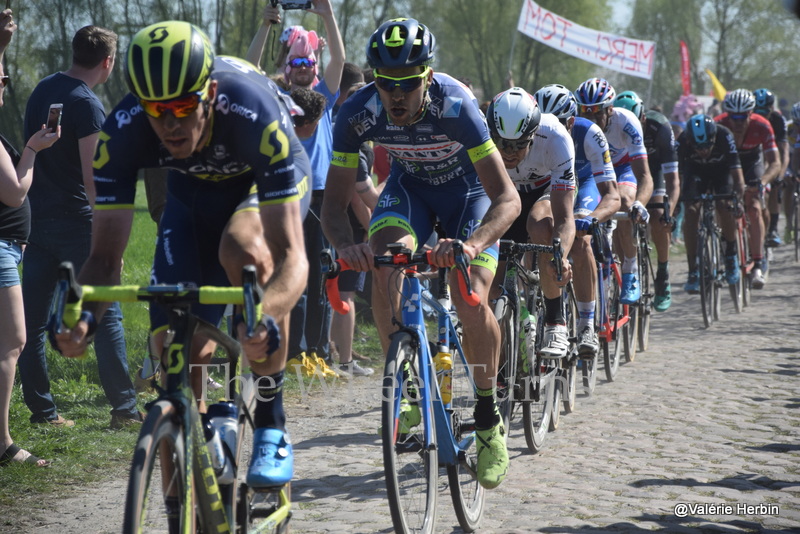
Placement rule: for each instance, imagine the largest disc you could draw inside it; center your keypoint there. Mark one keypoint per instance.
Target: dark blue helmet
(701, 131)
(400, 43)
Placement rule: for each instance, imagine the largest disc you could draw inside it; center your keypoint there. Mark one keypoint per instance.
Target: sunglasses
(509, 145)
(180, 107)
(594, 109)
(738, 116)
(406, 83)
(5, 80)
(298, 62)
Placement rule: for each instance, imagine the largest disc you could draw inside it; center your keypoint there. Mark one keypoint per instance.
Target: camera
(291, 4)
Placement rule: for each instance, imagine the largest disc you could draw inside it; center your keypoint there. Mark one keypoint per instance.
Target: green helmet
(630, 101)
(168, 60)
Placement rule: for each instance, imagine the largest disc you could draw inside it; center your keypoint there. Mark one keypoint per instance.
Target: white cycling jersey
(550, 160)
(625, 137)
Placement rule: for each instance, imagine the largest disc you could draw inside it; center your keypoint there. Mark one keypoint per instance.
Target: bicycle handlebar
(399, 256)
(509, 248)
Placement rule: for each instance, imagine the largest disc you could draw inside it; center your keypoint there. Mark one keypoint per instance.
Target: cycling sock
(553, 311)
(629, 265)
(663, 271)
(269, 402)
(773, 222)
(757, 262)
(585, 315)
(485, 414)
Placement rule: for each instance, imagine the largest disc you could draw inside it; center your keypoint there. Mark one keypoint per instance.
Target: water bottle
(215, 449)
(222, 416)
(528, 336)
(444, 373)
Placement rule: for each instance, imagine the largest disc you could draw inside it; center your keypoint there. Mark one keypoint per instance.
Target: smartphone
(290, 4)
(8, 4)
(54, 116)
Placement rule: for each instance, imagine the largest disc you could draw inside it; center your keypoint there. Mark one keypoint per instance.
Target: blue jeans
(51, 242)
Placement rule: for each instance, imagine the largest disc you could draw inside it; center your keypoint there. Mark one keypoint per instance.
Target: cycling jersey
(252, 143)
(432, 172)
(625, 144)
(548, 166)
(699, 174)
(758, 138)
(662, 155)
(592, 166)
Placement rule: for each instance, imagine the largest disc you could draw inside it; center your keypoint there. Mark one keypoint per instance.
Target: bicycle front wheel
(467, 494)
(158, 499)
(509, 354)
(641, 314)
(706, 268)
(410, 463)
(612, 348)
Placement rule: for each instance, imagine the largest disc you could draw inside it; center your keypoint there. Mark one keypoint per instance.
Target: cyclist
(444, 165)
(623, 131)
(597, 198)
(793, 129)
(223, 132)
(708, 161)
(765, 106)
(754, 136)
(539, 156)
(662, 158)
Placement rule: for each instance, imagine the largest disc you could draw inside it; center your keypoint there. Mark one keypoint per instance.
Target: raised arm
(272, 15)
(333, 72)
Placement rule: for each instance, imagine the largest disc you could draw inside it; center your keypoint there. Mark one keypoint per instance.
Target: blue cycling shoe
(630, 289)
(272, 464)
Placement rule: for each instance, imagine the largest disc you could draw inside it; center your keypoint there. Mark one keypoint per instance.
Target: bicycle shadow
(740, 482)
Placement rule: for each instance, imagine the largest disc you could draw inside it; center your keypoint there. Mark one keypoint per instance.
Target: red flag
(686, 79)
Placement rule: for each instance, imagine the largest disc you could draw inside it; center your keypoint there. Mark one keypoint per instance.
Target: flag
(686, 78)
(719, 91)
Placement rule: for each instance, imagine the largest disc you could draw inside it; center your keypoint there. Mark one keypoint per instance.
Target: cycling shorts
(518, 232)
(414, 206)
(694, 185)
(625, 176)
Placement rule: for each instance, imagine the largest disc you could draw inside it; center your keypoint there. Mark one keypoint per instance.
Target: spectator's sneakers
(757, 280)
(272, 464)
(732, 269)
(630, 289)
(213, 385)
(554, 341)
(587, 342)
(773, 239)
(692, 286)
(492, 454)
(788, 234)
(57, 421)
(354, 369)
(663, 298)
(119, 421)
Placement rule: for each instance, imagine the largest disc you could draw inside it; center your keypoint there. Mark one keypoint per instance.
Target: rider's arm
(644, 181)
(283, 232)
(609, 200)
(505, 206)
(773, 167)
(272, 15)
(339, 189)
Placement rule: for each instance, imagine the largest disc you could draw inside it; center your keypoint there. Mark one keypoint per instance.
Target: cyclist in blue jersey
(445, 165)
(597, 198)
(237, 195)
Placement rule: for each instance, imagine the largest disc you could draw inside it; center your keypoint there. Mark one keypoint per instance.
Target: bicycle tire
(631, 339)
(569, 374)
(411, 468)
(612, 349)
(161, 437)
(561, 390)
(537, 399)
(509, 355)
(644, 310)
(746, 266)
(467, 494)
(718, 263)
(706, 274)
(589, 374)
(796, 223)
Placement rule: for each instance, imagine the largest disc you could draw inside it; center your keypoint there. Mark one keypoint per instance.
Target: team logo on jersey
(630, 129)
(220, 152)
(600, 139)
(452, 107)
(362, 122)
(225, 106)
(470, 227)
(374, 105)
(125, 117)
(388, 201)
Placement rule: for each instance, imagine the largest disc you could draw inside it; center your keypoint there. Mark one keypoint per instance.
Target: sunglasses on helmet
(298, 62)
(406, 83)
(180, 107)
(511, 145)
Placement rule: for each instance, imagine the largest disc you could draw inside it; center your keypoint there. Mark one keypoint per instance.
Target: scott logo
(158, 34)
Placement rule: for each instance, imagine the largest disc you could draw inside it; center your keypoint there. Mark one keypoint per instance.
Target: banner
(621, 54)
(686, 76)
(718, 91)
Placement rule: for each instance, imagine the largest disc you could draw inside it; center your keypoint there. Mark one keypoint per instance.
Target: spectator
(352, 78)
(310, 320)
(14, 227)
(62, 197)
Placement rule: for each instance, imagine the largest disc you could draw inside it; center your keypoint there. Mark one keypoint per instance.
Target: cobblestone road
(704, 420)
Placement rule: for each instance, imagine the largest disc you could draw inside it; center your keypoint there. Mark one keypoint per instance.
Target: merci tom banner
(621, 54)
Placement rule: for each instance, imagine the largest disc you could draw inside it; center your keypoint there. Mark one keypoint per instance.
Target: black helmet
(701, 131)
(400, 43)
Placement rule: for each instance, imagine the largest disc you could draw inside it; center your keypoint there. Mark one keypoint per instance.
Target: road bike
(741, 291)
(528, 380)
(173, 485)
(421, 430)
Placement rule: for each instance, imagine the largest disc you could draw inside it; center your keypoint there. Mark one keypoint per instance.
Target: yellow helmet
(168, 60)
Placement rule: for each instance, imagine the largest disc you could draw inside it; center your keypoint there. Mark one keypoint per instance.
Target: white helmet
(556, 100)
(513, 114)
(739, 101)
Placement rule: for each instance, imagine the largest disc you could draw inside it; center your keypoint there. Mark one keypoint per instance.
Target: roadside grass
(90, 452)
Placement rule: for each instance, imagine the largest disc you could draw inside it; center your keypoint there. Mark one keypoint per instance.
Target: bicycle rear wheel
(410, 464)
(568, 376)
(643, 312)
(467, 494)
(706, 268)
(159, 471)
(612, 349)
(509, 355)
(537, 398)
(633, 334)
